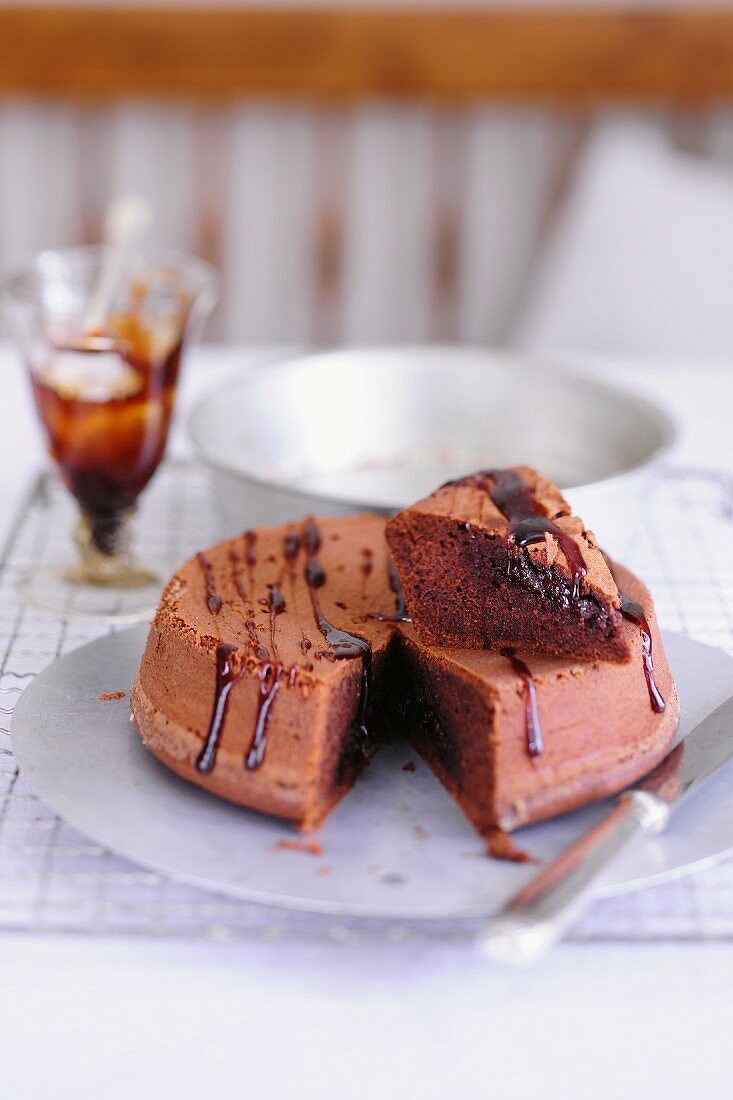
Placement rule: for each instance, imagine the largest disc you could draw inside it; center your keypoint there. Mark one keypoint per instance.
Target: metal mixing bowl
(372, 430)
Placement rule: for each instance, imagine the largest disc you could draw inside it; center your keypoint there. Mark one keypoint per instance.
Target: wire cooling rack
(54, 879)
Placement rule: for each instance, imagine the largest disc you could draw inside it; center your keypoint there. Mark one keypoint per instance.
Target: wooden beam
(574, 57)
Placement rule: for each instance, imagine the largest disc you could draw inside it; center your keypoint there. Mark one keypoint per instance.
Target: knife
(541, 912)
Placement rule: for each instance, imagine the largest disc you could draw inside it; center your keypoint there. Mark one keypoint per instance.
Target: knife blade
(697, 756)
(537, 916)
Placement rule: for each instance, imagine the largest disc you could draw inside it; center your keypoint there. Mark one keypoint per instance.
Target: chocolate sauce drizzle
(535, 740)
(401, 615)
(213, 601)
(342, 644)
(226, 677)
(270, 678)
(528, 523)
(634, 612)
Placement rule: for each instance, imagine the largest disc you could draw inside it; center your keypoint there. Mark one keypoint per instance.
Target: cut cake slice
(497, 560)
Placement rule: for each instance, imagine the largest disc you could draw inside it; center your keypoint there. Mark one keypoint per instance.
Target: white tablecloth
(142, 1018)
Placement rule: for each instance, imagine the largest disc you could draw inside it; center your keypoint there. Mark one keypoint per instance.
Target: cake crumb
(324, 872)
(311, 847)
(551, 545)
(105, 695)
(410, 766)
(499, 845)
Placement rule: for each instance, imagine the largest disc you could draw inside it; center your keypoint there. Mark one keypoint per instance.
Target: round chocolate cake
(280, 660)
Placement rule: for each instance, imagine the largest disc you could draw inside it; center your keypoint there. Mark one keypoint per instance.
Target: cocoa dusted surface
(467, 584)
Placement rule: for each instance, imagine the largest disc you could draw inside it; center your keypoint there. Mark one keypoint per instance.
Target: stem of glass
(104, 542)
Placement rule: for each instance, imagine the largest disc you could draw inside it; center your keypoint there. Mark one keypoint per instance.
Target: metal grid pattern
(53, 878)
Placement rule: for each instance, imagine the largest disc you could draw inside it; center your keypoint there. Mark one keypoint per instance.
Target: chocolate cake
(280, 660)
(498, 560)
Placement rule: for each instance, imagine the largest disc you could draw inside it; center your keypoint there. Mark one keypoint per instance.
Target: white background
(129, 1019)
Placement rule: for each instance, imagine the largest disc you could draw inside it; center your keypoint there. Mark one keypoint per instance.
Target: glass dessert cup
(105, 393)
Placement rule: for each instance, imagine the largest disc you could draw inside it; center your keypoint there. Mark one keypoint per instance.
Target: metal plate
(397, 847)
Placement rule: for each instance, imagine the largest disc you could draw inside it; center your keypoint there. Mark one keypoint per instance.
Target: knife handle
(540, 913)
